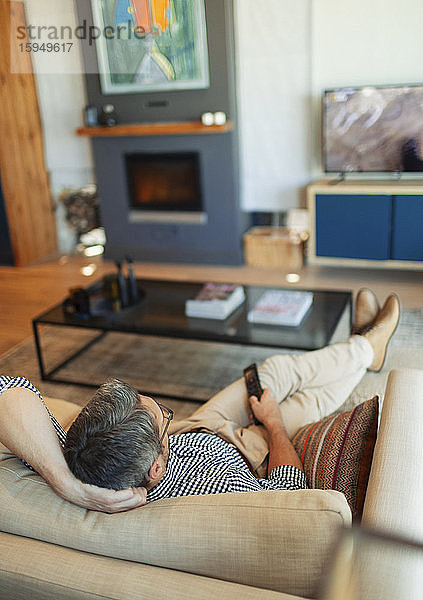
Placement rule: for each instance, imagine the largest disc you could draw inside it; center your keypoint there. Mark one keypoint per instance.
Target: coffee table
(162, 314)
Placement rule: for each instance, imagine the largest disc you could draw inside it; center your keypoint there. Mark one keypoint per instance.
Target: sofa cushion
(337, 452)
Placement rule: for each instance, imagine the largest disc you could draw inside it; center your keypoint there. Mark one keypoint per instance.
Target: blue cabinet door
(407, 234)
(353, 226)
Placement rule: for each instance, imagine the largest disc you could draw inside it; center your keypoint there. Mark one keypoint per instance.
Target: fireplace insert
(164, 185)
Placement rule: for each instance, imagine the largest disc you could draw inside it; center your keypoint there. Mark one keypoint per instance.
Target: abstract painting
(151, 45)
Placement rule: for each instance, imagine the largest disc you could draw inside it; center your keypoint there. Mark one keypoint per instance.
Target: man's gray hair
(114, 441)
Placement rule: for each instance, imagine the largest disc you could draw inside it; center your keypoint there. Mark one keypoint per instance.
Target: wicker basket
(274, 247)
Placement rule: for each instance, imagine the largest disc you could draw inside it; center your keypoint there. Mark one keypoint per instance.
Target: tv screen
(373, 129)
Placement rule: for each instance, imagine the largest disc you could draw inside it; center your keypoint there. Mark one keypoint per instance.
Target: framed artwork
(151, 45)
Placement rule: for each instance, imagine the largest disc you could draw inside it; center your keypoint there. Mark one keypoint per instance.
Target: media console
(372, 223)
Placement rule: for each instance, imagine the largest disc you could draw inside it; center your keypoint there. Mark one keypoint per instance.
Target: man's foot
(366, 310)
(382, 330)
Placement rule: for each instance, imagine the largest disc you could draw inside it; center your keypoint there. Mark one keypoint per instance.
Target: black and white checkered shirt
(199, 463)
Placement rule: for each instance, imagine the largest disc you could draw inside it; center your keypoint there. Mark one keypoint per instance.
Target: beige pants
(308, 387)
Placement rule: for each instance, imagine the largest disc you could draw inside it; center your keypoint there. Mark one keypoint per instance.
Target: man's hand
(102, 499)
(281, 450)
(267, 410)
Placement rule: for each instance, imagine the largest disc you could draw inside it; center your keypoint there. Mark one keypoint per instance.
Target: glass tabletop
(162, 313)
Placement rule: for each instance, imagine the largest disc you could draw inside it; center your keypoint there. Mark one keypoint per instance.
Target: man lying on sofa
(118, 453)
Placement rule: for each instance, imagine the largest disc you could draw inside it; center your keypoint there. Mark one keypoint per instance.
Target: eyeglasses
(168, 415)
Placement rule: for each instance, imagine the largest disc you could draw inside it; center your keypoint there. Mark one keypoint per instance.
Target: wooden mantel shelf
(165, 128)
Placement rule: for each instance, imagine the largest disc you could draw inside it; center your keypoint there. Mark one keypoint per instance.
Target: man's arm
(281, 450)
(27, 430)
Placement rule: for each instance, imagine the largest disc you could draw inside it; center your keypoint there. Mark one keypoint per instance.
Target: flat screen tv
(373, 129)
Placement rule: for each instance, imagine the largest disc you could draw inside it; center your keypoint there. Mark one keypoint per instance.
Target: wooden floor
(27, 291)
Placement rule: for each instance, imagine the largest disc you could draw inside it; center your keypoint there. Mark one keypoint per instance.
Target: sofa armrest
(395, 490)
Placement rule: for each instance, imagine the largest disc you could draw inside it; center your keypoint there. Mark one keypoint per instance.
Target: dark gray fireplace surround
(214, 235)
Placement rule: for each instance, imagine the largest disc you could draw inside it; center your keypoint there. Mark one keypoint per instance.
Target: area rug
(405, 351)
(410, 329)
(162, 367)
(168, 367)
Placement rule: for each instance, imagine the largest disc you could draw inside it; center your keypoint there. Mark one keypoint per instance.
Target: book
(281, 307)
(215, 301)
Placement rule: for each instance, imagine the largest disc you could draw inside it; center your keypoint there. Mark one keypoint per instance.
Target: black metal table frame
(49, 375)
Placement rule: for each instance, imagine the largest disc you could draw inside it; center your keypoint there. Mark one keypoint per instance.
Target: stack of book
(281, 307)
(215, 301)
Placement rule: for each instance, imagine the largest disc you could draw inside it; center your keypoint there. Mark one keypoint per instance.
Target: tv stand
(336, 181)
(346, 177)
(366, 223)
(339, 180)
(385, 186)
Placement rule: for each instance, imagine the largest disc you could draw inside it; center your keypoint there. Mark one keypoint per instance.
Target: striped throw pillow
(337, 452)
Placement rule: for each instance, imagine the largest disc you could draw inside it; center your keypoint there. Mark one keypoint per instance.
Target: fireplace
(164, 187)
(168, 185)
(170, 198)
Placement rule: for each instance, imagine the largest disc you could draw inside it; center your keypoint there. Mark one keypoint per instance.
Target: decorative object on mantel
(108, 116)
(91, 116)
(207, 119)
(162, 128)
(217, 118)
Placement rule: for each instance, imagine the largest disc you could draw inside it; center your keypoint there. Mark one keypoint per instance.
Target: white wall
(288, 51)
(273, 81)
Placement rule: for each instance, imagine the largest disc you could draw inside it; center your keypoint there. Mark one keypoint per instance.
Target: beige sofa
(247, 545)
